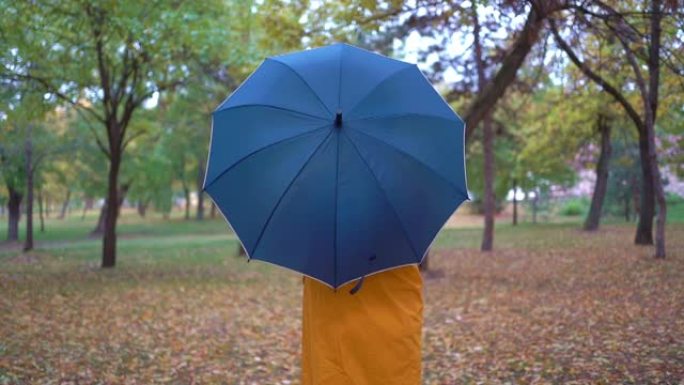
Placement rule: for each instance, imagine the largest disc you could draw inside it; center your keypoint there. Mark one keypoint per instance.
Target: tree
(622, 196)
(433, 20)
(38, 144)
(107, 59)
(488, 141)
(603, 126)
(641, 42)
(13, 175)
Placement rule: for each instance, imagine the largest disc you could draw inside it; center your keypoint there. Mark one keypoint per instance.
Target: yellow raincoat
(372, 337)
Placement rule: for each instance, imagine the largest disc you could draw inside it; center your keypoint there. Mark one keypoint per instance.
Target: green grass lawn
(552, 304)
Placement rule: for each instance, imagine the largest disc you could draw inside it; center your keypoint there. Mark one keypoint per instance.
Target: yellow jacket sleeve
(372, 337)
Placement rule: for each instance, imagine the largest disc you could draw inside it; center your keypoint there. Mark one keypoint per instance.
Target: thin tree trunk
(602, 166)
(40, 211)
(186, 191)
(200, 205)
(489, 197)
(142, 208)
(489, 200)
(651, 112)
(65, 205)
(534, 207)
(515, 202)
(212, 211)
(47, 205)
(14, 214)
(28, 152)
(200, 193)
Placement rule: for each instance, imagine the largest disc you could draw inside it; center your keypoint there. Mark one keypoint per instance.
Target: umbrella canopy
(336, 162)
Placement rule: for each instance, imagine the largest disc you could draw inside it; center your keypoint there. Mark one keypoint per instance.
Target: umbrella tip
(338, 119)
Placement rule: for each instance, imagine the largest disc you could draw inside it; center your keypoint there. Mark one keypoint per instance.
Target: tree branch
(596, 78)
(55, 91)
(108, 103)
(494, 90)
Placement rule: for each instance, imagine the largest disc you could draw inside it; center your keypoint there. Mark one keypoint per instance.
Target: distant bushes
(574, 207)
(673, 199)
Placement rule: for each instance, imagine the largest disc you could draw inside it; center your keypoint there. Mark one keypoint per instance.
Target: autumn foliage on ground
(552, 305)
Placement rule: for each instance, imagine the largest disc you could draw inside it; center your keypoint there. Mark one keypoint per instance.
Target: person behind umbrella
(372, 336)
(343, 165)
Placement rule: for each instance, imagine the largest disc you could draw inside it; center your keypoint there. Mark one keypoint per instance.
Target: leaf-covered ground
(551, 305)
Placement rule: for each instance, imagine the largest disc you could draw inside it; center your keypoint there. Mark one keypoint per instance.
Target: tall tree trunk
(489, 197)
(28, 152)
(65, 205)
(14, 213)
(651, 112)
(111, 214)
(40, 211)
(644, 232)
(515, 202)
(602, 167)
(200, 205)
(200, 193)
(489, 200)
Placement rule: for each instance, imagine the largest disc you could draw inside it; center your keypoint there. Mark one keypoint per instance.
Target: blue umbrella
(336, 162)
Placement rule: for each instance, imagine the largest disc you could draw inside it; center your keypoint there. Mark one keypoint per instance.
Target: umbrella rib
(413, 158)
(258, 150)
(337, 187)
(377, 181)
(273, 107)
(287, 189)
(305, 82)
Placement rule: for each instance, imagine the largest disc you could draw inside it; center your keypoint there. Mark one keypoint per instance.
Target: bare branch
(494, 90)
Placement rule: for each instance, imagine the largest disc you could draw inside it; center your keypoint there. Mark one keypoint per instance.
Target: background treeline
(112, 100)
